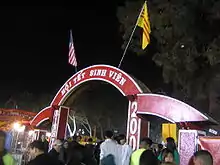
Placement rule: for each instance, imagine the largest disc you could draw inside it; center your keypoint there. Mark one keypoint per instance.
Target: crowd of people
(111, 151)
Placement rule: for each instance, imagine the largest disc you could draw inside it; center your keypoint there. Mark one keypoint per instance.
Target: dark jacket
(78, 154)
(43, 159)
(63, 155)
(55, 156)
(46, 146)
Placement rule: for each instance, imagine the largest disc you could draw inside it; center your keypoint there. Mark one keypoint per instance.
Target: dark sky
(34, 46)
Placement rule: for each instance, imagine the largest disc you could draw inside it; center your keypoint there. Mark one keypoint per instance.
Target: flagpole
(131, 36)
(75, 69)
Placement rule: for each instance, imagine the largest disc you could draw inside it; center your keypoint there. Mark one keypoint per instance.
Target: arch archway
(139, 102)
(112, 75)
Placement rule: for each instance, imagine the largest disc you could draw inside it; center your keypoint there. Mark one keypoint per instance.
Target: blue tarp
(8, 141)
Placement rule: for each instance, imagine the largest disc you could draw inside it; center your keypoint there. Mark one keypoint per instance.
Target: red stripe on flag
(72, 55)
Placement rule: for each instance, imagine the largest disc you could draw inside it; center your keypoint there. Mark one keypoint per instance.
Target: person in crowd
(45, 142)
(75, 143)
(202, 157)
(170, 144)
(116, 138)
(5, 157)
(63, 152)
(121, 139)
(168, 163)
(90, 146)
(97, 151)
(65, 144)
(159, 149)
(76, 138)
(154, 148)
(55, 151)
(75, 154)
(109, 152)
(78, 154)
(126, 150)
(39, 157)
(167, 156)
(148, 158)
(145, 144)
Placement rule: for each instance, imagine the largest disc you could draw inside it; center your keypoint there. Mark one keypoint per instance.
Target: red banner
(212, 144)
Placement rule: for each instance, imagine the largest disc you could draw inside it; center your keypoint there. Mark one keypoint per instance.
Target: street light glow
(16, 126)
(21, 129)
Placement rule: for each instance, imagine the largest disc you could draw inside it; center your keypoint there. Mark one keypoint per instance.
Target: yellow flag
(169, 130)
(144, 23)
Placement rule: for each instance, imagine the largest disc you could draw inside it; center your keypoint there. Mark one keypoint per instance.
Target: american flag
(72, 55)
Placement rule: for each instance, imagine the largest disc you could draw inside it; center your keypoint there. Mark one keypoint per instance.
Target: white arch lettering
(133, 125)
(132, 142)
(134, 109)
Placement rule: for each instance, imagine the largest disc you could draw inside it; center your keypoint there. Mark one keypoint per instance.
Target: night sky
(34, 47)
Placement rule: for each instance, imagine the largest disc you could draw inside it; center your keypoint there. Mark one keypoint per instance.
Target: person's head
(36, 148)
(146, 143)
(202, 157)
(148, 158)
(90, 141)
(108, 134)
(79, 138)
(76, 138)
(57, 145)
(167, 155)
(116, 138)
(121, 139)
(2, 140)
(159, 147)
(170, 144)
(65, 144)
(43, 137)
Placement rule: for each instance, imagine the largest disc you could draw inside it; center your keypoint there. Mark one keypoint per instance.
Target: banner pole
(131, 36)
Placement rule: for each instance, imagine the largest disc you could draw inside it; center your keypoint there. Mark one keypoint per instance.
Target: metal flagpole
(125, 51)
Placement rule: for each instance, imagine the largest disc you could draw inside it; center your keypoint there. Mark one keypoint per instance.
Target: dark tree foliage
(186, 38)
(28, 101)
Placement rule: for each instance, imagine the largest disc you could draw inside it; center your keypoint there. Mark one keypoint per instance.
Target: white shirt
(126, 154)
(110, 147)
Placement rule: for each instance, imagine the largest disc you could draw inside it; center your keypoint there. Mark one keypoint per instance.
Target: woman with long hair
(171, 146)
(167, 156)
